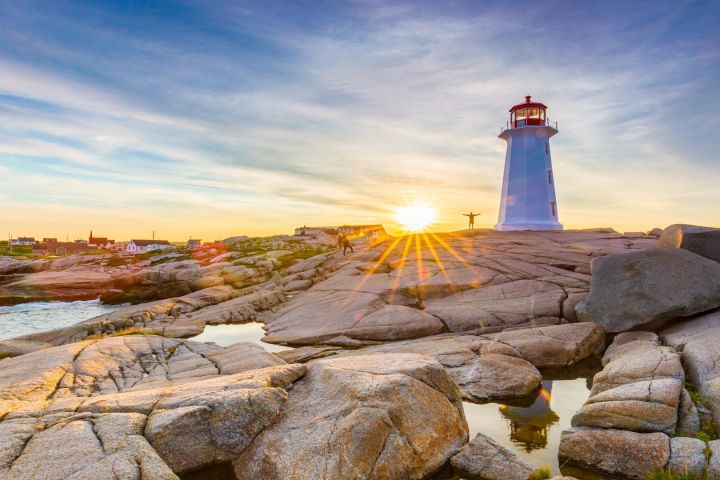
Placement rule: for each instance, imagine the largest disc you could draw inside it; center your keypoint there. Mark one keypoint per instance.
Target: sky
(211, 119)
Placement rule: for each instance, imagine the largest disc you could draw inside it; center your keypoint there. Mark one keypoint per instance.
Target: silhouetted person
(346, 244)
(341, 237)
(471, 218)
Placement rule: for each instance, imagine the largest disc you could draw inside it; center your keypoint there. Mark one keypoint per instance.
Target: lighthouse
(528, 200)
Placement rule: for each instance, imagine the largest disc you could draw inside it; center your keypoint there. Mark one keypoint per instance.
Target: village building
(100, 242)
(306, 231)
(23, 241)
(371, 233)
(62, 248)
(144, 246)
(194, 243)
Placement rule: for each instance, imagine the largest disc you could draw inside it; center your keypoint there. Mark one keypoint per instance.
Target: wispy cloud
(254, 118)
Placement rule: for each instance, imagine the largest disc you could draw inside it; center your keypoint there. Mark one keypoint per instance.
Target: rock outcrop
(649, 288)
(636, 404)
(502, 365)
(704, 241)
(476, 284)
(366, 416)
(697, 340)
(179, 317)
(639, 388)
(147, 407)
(615, 452)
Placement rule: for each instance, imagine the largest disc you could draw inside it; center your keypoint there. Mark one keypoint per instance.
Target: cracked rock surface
(477, 283)
(148, 407)
(366, 416)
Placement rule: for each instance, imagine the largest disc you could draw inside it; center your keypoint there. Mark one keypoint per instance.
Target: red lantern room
(527, 113)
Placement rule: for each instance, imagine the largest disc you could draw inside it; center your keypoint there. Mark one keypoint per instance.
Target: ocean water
(35, 317)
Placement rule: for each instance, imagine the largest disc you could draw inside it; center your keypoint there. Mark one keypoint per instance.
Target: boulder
(687, 456)
(365, 416)
(713, 470)
(704, 241)
(688, 423)
(615, 452)
(649, 288)
(484, 459)
(644, 406)
(496, 377)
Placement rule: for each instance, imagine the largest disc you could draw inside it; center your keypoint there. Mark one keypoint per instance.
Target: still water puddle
(225, 335)
(531, 431)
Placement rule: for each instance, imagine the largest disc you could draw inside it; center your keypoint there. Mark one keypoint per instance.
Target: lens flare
(415, 218)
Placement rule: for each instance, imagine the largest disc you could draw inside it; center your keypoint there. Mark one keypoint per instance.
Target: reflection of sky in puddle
(533, 432)
(225, 335)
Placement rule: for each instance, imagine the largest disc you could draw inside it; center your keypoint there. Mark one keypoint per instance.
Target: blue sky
(218, 118)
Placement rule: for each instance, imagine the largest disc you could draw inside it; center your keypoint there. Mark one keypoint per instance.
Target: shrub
(541, 473)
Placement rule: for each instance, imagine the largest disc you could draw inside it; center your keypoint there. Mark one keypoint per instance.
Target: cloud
(218, 110)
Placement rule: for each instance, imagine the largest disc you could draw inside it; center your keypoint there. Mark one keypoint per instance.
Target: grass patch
(541, 473)
(289, 259)
(123, 332)
(170, 352)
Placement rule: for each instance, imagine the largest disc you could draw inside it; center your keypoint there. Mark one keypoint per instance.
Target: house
(194, 243)
(100, 242)
(144, 246)
(49, 240)
(372, 233)
(306, 231)
(23, 241)
(61, 248)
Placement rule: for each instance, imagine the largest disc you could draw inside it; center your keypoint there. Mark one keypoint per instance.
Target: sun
(415, 218)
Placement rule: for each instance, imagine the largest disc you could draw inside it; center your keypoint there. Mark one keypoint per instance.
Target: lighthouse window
(547, 148)
(550, 177)
(554, 209)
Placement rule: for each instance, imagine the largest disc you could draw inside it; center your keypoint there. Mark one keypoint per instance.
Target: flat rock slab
(615, 452)
(484, 459)
(366, 416)
(118, 364)
(650, 288)
(475, 283)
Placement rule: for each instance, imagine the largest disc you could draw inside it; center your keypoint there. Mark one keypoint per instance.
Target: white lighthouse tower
(528, 191)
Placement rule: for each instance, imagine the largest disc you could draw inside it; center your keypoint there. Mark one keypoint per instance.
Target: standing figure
(471, 219)
(346, 244)
(341, 237)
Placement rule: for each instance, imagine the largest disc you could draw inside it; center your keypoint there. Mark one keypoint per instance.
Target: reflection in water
(225, 335)
(529, 425)
(532, 431)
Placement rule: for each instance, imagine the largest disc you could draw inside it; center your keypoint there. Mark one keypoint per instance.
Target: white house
(144, 246)
(22, 241)
(528, 199)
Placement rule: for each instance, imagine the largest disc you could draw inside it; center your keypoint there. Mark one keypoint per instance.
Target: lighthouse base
(517, 227)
